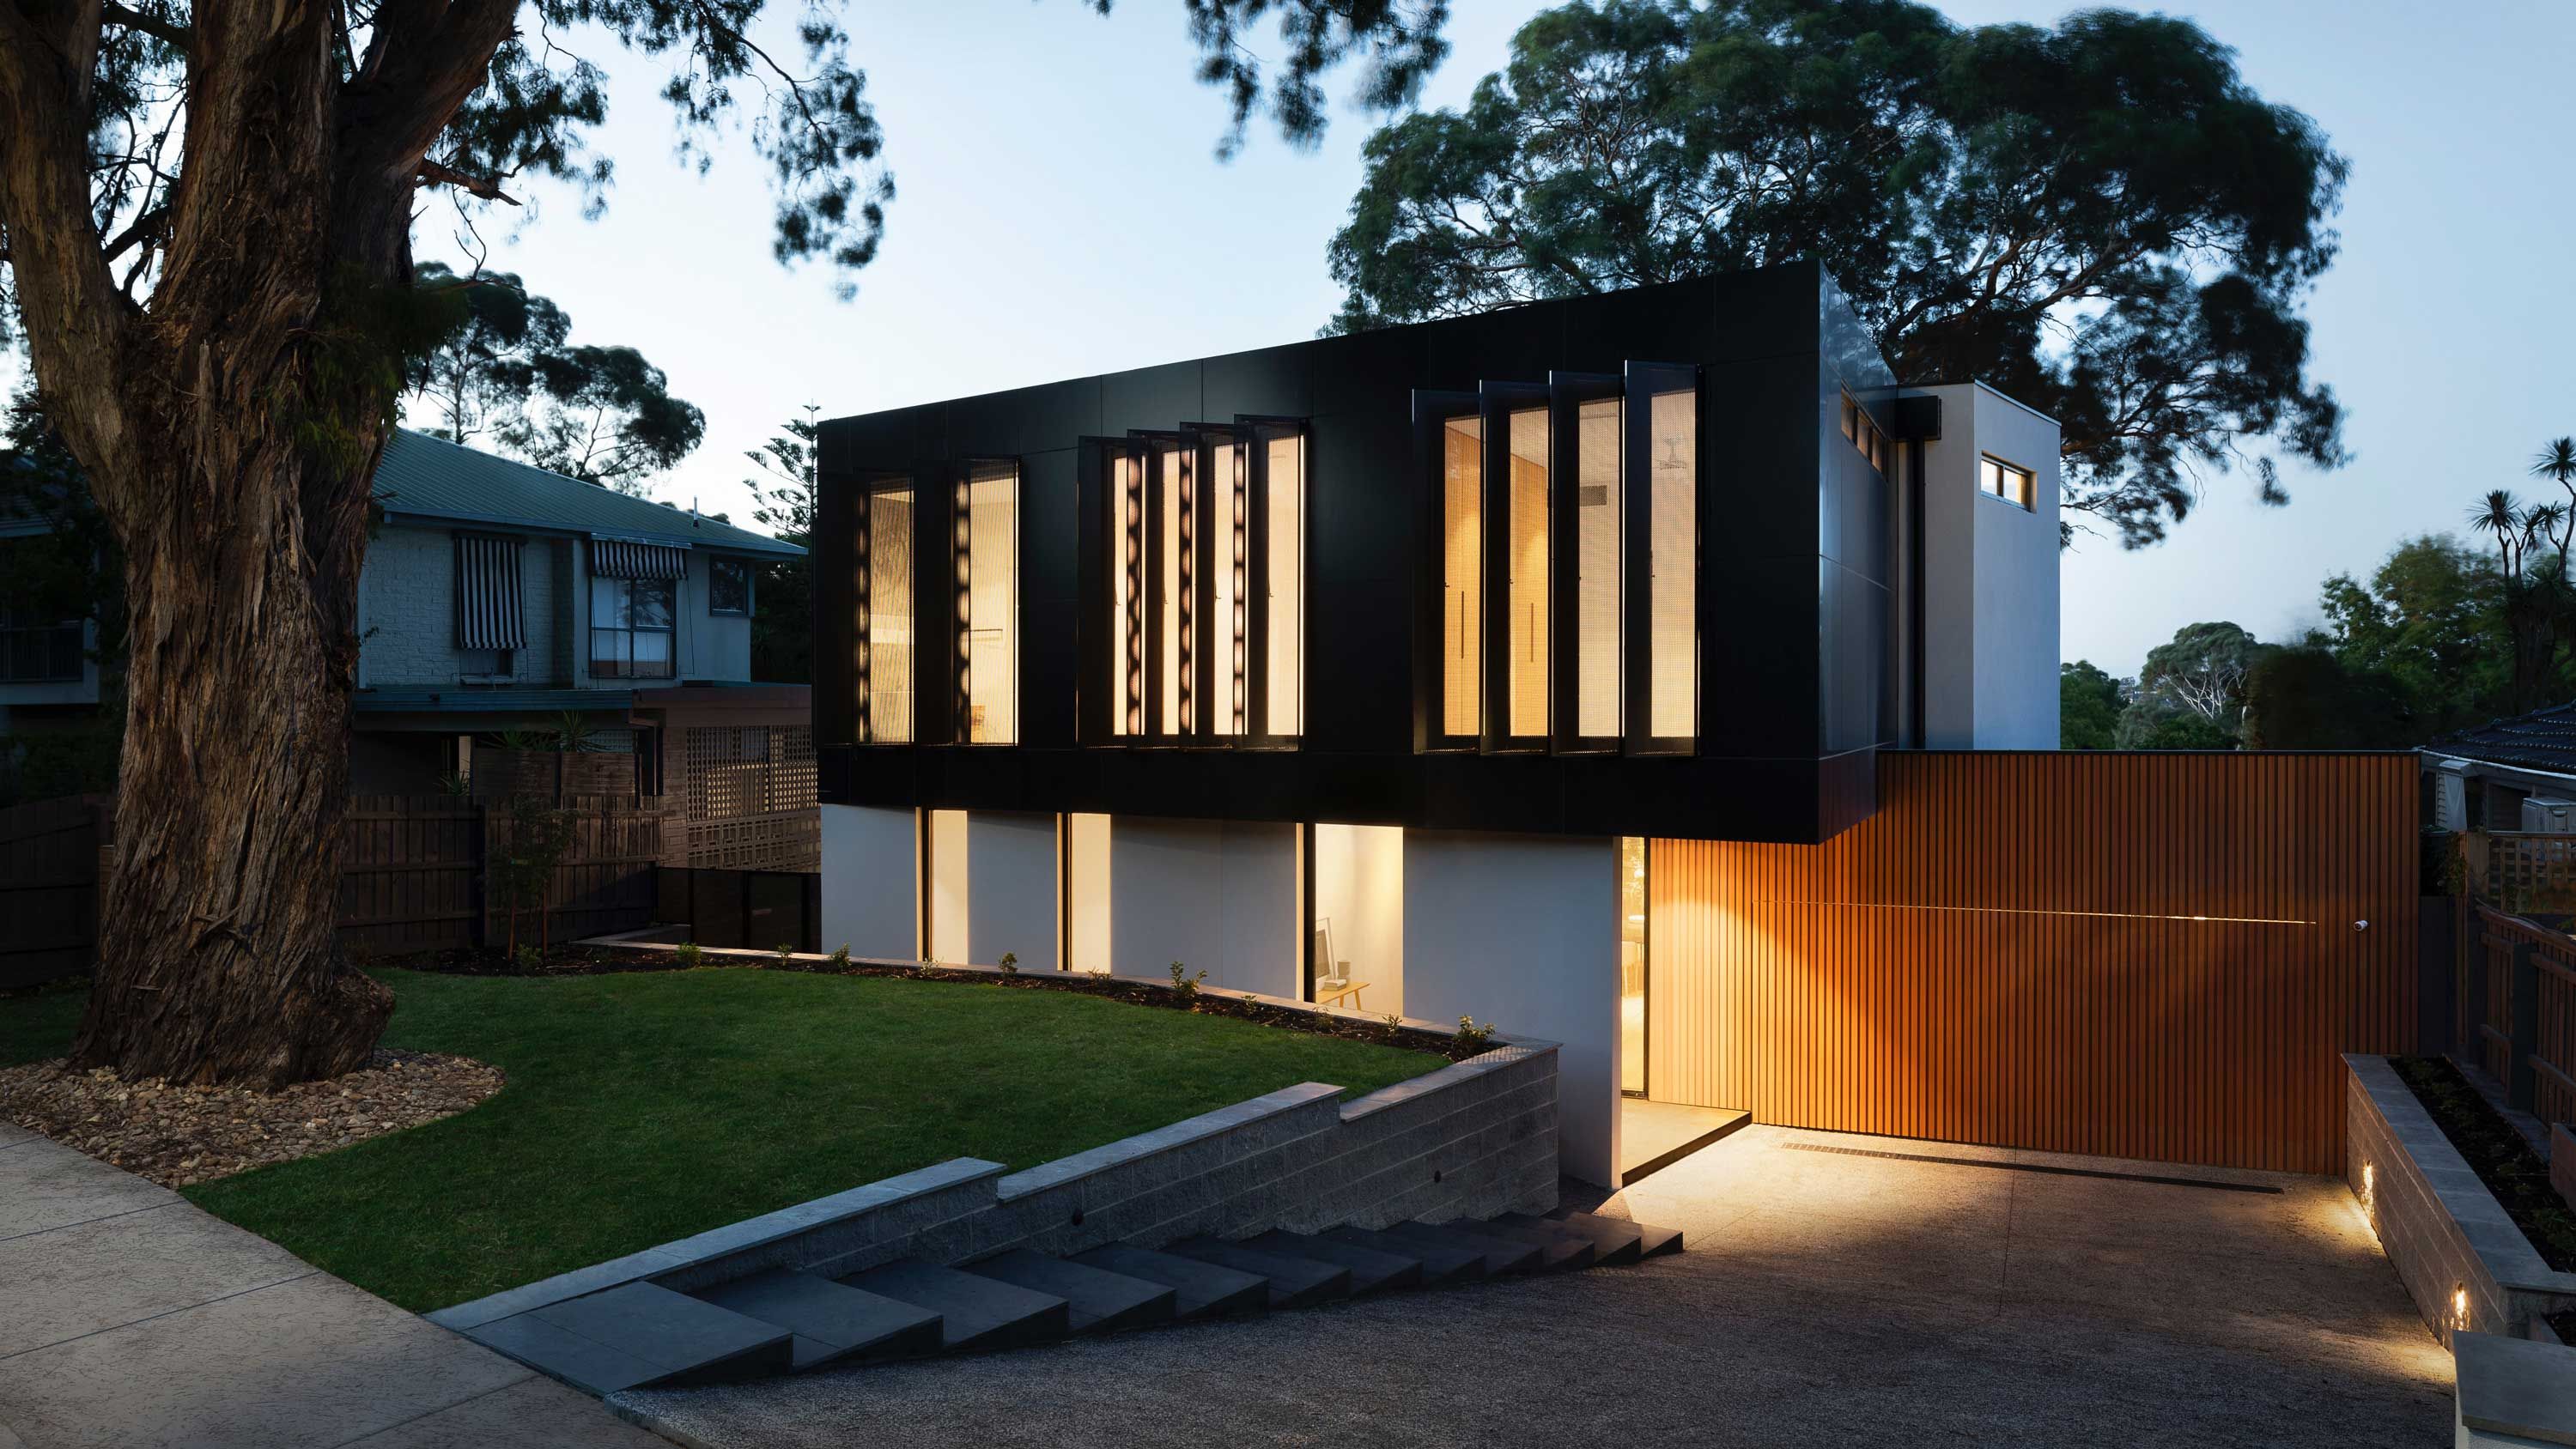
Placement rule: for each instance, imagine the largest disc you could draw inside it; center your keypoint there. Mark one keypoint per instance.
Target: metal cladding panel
(2149, 955)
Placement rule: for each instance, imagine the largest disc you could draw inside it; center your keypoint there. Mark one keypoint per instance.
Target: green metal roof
(426, 477)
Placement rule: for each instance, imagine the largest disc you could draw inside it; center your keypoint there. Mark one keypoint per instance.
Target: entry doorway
(1652, 1134)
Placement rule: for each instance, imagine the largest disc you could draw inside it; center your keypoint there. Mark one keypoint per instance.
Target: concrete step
(832, 1322)
(1502, 1254)
(1372, 1269)
(1652, 1242)
(1441, 1265)
(1201, 1290)
(1560, 1249)
(1100, 1301)
(1614, 1244)
(975, 1313)
(1294, 1282)
(638, 1335)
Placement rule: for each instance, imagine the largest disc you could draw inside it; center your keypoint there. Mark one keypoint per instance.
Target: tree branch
(439, 173)
(168, 32)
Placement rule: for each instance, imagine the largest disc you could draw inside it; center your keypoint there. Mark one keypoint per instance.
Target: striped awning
(617, 558)
(489, 614)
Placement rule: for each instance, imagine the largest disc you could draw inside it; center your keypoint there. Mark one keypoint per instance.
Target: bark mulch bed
(599, 960)
(2499, 1155)
(176, 1135)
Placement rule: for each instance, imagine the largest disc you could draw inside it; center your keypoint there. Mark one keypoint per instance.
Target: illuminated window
(1462, 574)
(885, 623)
(2000, 479)
(1206, 586)
(1526, 556)
(1864, 434)
(988, 569)
(630, 628)
(1597, 505)
(1672, 530)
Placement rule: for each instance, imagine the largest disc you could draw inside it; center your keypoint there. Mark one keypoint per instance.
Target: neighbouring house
(2515, 774)
(1362, 669)
(500, 597)
(49, 674)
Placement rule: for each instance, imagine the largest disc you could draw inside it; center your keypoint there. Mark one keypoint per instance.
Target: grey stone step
(1560, 1249)
(1502, 1255)
(1100, 1301)
(975, 1313)
(1372, 1269)
(1294, 1282)
(1441, 1265)
(1652, 1242)
(1614, 1244)
(832, 1321)
(1201, 1290)
(638, 1335)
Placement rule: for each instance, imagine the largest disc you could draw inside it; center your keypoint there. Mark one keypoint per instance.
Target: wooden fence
(2140, 955)
(2518, 1010)
(49, 855)
(758, 909)
(413, 876)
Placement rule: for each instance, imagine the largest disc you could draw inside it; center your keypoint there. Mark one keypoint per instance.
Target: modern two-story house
(1360, 670)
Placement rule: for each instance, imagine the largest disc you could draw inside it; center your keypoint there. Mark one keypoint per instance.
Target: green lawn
(647, 1106)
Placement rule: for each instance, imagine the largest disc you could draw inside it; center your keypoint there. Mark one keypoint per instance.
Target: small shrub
(1185, 984)
(1394, 1024)
(687, 954)
(786, 953)
(1472, 1037)
(529, 958)
(841, 958)
(1010, 963)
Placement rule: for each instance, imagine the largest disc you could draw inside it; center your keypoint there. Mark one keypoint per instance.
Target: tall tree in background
(505, 371)
(2088, 706)
(2191, 694)
(782, 620)
(2430, 619)
(2102, 219)
(206, 213)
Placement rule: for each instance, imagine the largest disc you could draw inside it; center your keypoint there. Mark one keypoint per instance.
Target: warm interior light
(2460, 1306)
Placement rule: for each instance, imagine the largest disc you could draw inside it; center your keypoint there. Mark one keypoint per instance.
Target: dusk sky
(1061, 212)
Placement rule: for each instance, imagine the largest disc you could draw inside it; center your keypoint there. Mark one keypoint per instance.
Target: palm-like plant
(2557, 463)
(2500, 515)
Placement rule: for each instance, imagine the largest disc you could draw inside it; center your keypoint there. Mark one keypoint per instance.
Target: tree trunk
(218, 957)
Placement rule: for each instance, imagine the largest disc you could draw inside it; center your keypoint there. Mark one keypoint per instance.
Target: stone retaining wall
(2458, 1252)
(1472, 1139)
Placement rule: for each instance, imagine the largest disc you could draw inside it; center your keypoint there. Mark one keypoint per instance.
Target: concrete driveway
(1826, 1297)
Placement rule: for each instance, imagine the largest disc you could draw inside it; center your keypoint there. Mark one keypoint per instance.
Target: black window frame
(741, 567)
(1497, 402)
(863, 491)
(1567, 393)
(961, 556)
(62, 646)
(595, 629)
(1433, 412)
(1644, 381)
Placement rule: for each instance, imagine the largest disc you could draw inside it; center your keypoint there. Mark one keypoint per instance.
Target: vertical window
(886, 618)
(1597, 505)
(630, 628)
(1174, 541)
(1285, 579)
(1632, 966)
(989, 587)
(1127, 594)
(1527, 519)
(728, 586)
(1672, 526)
(2003, 480)
(1229, 611)
(1462, 577)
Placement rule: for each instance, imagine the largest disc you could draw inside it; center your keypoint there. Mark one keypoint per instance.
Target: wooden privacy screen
(2139, 955)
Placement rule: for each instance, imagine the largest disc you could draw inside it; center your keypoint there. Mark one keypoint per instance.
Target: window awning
(489, 612)
(617, 558)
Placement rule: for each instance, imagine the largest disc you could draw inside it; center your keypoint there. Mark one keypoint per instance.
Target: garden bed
(2497, 1153)
(588, 960)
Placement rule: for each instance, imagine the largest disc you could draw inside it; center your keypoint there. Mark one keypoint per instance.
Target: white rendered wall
(1216, 896)
(1359, 889)
(1010, 857)
(1990, 579)
(1523, 931)
(870, 900)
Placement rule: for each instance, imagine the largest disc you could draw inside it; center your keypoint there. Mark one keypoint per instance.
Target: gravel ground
(177, 1135)
(1825, 1299)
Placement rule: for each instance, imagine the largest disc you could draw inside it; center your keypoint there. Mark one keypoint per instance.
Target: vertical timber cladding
(2137, 955)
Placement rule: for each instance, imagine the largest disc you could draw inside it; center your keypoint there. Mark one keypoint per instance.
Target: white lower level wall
(1216, 896)
(1523, 931)
(1011, 905)
(871, 900)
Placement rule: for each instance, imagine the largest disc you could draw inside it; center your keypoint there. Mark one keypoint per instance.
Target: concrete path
(130, 1317)
(1825, 1299)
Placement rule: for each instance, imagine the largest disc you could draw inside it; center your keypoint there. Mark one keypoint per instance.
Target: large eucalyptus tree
(206, 213)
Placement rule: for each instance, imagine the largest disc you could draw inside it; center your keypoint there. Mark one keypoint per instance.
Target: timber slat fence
(413, 876)
(2153, 955)
(2518, 1015)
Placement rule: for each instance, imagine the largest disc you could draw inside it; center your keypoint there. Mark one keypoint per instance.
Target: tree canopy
(782, 629)
(2101, 218)
(2088, 706)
